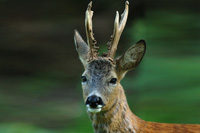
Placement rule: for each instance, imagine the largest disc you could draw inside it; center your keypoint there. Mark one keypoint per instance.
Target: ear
(81, 47)
(131, 58)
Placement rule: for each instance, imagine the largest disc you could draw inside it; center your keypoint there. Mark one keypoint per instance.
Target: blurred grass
(22, 128)
(167, 91)
(166, 87)
(168, 81)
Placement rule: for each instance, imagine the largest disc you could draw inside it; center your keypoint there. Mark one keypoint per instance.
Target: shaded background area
(40, 71)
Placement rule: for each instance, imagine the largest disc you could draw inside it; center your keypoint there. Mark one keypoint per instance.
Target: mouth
(94, 110)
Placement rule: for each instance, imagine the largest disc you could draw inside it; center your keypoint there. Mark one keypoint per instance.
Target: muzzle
(94, 104)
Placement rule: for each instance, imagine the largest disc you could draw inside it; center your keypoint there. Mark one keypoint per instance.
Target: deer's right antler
(93, 49)
(118, 29)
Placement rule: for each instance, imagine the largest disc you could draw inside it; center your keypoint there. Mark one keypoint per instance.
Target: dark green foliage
(40, 89)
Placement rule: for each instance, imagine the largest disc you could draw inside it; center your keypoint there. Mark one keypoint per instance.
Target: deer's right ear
(81, 47)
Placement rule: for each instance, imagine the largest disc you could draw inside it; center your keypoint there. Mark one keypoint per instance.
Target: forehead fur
(100, 66)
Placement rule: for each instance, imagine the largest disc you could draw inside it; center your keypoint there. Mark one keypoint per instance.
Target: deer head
(102, 75)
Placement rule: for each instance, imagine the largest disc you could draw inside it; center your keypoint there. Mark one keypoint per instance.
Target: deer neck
(118, 118)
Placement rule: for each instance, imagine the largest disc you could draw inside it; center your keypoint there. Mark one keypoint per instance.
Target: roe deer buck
(102, 92)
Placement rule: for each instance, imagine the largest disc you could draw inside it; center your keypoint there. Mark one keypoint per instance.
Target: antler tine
(89, 32)
(118, 29)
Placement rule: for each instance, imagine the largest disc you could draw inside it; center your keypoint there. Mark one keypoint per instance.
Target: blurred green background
(40, 72)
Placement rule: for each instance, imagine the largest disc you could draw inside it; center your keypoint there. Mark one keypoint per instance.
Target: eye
(84, 79)
(113, 81)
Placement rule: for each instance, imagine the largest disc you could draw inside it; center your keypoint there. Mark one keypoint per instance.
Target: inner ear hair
(131, 58)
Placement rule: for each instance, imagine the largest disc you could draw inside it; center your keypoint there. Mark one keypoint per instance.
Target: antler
(89, 32)
(118, 28)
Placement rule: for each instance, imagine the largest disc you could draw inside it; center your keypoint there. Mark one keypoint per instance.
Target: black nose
(93, 101)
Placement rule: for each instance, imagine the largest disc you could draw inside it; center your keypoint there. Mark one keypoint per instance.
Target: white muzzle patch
(94, 110)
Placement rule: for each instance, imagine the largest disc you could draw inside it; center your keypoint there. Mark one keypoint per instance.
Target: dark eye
(113, 81)
(84, 79)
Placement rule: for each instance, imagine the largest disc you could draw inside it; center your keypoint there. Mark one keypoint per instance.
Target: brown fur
(115, 115)
(120, 119)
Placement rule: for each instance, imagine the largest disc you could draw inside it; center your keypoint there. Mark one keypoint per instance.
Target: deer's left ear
(131, 58)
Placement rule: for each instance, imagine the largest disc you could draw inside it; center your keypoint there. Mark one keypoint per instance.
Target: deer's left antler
(118, 29)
